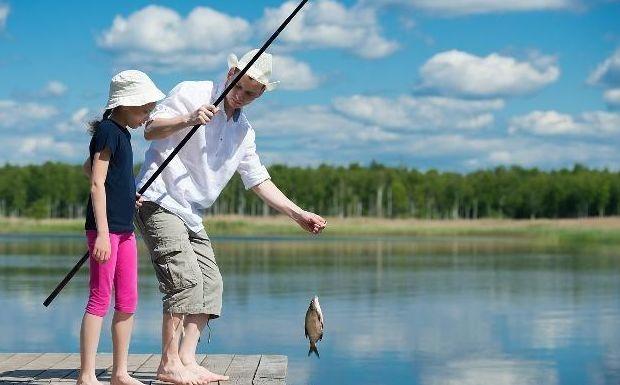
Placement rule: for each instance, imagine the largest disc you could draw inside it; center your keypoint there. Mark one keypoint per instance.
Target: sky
(454, 85)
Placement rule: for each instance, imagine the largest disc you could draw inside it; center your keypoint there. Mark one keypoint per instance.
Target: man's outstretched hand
(310, 222)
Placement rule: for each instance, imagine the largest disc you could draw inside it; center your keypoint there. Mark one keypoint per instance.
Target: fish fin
(313, 349)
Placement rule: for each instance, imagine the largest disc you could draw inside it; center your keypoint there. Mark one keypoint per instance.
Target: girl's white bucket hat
(132, 88)
(260, 70)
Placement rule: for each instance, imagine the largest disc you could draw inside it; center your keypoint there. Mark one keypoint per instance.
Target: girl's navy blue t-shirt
(120, 187)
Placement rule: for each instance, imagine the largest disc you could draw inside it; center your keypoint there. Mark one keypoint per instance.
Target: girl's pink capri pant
(119, 272)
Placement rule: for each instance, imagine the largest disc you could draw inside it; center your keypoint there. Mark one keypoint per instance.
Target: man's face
(244, 92)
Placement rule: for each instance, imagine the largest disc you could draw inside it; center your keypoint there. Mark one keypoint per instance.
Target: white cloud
(329, 24)
(28, 149)
(612, 97)
(54, 88)
(468, 7)
(608, 72)
(420, 113)
(5, 9)
(293, 74)
(460, 73)
(549, 123)
(312, 134)
(13, 113)
(160, 39)
(76, 123)
(315, 134)
(38, 144)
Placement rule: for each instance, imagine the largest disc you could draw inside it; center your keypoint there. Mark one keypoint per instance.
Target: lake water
(397, 311)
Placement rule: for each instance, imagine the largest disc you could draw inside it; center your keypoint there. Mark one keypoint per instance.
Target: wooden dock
(62, 368)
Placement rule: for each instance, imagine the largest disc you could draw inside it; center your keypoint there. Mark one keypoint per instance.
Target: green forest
(56, 190)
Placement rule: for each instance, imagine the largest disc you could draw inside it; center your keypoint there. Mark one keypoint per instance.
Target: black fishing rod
(178, 148)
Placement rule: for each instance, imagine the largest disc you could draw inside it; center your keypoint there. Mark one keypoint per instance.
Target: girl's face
(136, 116)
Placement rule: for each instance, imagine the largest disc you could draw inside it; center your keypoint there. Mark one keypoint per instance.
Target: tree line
(57, 190)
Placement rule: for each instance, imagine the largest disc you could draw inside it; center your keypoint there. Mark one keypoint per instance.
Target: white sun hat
(260, 70)
(132, 88)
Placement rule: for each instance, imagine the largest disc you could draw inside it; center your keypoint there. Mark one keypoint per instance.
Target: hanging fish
(314, 325)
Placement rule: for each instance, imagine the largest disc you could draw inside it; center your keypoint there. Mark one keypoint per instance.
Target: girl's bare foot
(124, 379)
(87, 380)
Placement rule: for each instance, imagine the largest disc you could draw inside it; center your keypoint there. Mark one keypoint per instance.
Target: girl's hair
(94, 125)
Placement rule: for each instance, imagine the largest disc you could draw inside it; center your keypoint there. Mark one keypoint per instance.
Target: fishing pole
(178, 148)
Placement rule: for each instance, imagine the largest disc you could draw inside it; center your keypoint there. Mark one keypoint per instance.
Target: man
(170, 218)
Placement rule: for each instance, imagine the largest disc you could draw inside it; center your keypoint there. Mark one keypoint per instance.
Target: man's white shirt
(196, 176)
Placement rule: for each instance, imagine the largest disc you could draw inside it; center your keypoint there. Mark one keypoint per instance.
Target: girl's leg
(126, 298)
(89, 340)
(101, 281)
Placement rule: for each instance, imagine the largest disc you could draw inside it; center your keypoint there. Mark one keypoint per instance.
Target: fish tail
(314, 350)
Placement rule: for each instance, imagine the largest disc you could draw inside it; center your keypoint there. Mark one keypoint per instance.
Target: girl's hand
(139, 200)
(101, 251)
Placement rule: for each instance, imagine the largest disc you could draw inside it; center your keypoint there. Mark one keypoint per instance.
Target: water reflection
(415, 311)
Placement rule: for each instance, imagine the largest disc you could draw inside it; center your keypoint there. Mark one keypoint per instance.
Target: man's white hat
(132, 88)
(260, 70)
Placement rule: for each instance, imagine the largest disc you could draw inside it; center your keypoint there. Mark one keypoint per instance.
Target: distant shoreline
(587, 230)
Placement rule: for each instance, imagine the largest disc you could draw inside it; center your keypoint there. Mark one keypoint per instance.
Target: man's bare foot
(124, 379)
(205, 374)
(87, 380)
(177, 374)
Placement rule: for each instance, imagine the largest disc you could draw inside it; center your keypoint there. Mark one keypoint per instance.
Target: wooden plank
(16, 362)
(147, 372)
(102, 363)
(35, 367)
(63, 368)
(269, 381)
(150, 364)
(217, 363)
(242, 369)
(58, 371)
(70, 370)
(271, 367)
(134, 361)
(5, 356)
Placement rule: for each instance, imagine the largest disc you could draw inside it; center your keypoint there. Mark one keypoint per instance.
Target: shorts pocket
(176, 267)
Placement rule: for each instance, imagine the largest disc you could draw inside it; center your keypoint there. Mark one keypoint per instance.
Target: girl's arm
(101, 160)
(86, 168)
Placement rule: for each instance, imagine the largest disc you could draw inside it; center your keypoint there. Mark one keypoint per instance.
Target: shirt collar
(219, 88)
(124, 130)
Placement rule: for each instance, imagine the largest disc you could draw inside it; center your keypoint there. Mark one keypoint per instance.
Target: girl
(109, 223)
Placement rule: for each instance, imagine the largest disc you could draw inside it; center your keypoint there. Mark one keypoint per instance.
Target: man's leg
(194, 325)
(211, 299)
(171, 368)
(164, 234)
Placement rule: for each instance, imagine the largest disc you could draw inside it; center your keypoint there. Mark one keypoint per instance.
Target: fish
(314, 325)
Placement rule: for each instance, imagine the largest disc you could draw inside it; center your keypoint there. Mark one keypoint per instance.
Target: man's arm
(160, 128)
(271, 195)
